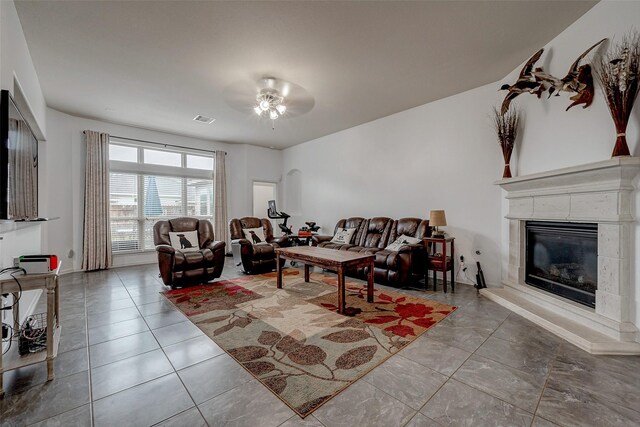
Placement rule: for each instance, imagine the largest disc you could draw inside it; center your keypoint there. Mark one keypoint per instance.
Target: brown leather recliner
(372, 236)
(255, 258)
(178, 268)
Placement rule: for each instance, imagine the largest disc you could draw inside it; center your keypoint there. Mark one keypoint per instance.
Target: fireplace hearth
(571, 236)
(562, 258)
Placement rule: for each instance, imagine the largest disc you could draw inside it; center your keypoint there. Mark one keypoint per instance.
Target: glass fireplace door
(562, 258)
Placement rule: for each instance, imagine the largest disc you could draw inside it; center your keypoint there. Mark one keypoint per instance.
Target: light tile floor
(129, 358)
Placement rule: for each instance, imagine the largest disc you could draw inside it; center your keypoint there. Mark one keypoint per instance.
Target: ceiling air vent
(204, 119)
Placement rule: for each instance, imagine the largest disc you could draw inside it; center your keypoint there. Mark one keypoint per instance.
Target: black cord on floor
(15, 270)
(9, 338)
(461, 270)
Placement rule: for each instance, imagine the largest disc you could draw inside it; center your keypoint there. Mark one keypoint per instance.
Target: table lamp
(437, 218)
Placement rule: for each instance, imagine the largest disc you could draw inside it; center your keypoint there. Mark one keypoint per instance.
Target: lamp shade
(437, 218)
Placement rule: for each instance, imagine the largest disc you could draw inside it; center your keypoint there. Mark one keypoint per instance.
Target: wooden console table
(440, 261)
(31, 282)
(330, 259)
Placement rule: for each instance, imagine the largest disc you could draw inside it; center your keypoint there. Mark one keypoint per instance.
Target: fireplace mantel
(601, 193)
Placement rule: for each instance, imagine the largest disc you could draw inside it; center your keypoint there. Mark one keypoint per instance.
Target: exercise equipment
(272, 213)
(312, 227)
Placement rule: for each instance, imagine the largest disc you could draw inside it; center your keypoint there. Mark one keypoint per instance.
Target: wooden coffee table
(330, 259)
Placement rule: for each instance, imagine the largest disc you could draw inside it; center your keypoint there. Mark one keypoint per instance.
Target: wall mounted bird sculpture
(578, 80)
(526, 83)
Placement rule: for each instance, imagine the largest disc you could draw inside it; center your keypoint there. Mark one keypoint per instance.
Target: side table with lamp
(437, 218)
(439, 261)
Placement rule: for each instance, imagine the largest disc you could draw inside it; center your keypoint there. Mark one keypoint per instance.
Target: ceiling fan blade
(241, 95)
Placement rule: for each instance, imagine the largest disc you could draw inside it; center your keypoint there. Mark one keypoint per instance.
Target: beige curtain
(23, 177)
(96, 254)
(220, 226)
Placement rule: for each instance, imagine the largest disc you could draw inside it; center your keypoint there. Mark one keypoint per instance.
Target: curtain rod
(164, 144)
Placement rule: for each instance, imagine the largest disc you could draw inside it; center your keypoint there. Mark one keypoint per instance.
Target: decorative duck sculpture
(578, 79)
(526, 83)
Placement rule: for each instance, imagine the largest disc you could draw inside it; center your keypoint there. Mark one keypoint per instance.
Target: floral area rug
(294, 341)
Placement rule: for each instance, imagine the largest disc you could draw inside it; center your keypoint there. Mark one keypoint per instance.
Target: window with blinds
(148, 184)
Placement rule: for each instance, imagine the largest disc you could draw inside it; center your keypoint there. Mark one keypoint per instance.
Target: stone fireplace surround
(601, 193)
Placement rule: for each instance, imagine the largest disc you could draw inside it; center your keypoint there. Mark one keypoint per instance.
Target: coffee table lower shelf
(329, 259)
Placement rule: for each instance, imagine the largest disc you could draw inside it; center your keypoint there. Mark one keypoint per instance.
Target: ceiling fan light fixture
(269, 103)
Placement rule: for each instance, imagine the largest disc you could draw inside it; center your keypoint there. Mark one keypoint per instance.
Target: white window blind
(147, 185)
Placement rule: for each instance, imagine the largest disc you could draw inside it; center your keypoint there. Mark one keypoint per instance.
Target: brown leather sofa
(372, 236)
(254, 258)
(178, 268)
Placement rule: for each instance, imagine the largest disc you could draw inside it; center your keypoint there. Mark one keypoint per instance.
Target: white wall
(16, 68)
(444, 155)
(17, 72)
(63, 157)
(553, 138)
(18, 75)
(441, 155)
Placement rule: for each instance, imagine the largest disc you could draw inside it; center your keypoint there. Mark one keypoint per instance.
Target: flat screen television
(18, 163)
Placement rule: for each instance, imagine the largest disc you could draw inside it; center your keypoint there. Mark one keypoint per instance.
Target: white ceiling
(158, 64)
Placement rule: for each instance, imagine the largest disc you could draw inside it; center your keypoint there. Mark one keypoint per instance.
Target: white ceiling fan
(269, 98)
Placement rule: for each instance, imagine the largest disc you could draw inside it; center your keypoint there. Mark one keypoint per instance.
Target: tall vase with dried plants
(618, 72)
(506, 126)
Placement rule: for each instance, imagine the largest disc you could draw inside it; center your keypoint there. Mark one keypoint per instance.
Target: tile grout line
(555, 353)
(488, 358)
(363, 378)
(509, 366)
(462, 382)
(202, 415)
(546, 380)
(172, 366)
(169, 360)
(92, 411)
(395, 398)
(594, 393)
(113, 339)
(133, 386)
(224, 392)
(89, 347)
(221, 393)
(126, 358)
(90, 403)
(450, 377)
(420, 413)
(296, 416)
(378, 388)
